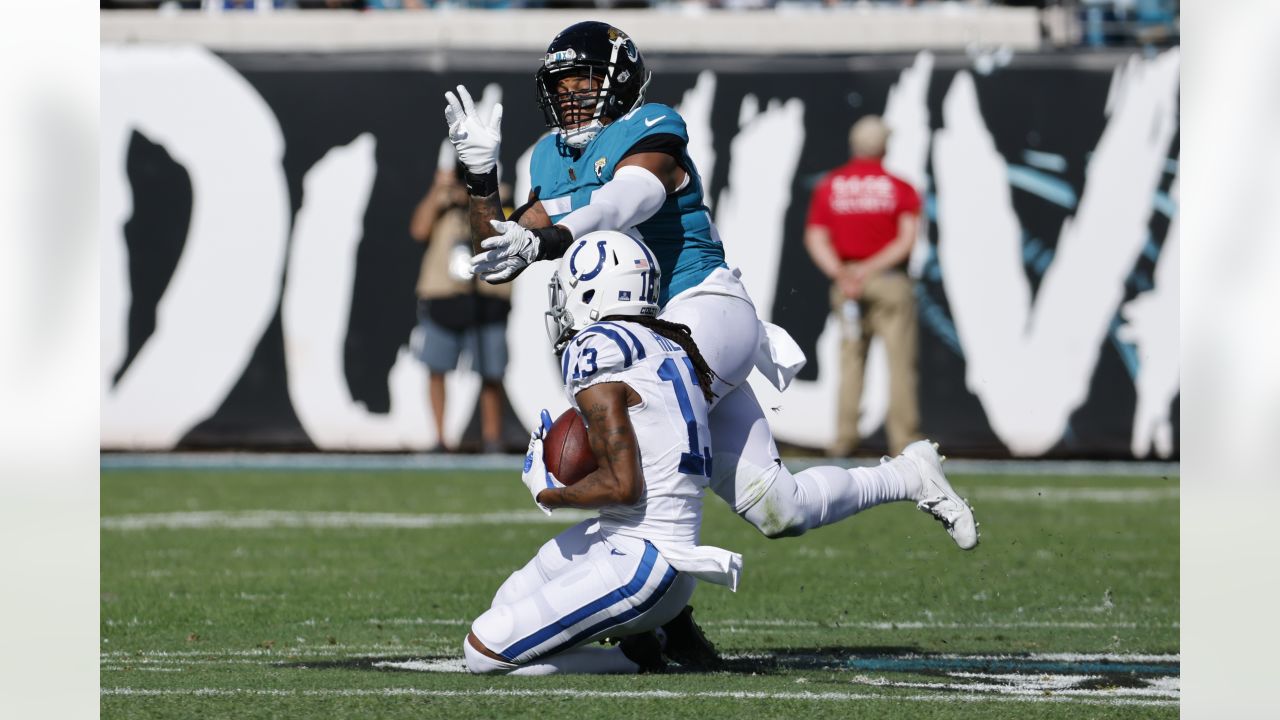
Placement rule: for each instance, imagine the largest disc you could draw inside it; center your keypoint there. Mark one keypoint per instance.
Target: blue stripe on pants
(633, 586)
(663, 586)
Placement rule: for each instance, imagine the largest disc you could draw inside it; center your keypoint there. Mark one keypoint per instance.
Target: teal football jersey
(681, 234)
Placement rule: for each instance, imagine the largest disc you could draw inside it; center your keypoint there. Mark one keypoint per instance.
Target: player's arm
(638, 189)
(619, 479)
(485, 210)
(661, 165)
(482, 211)
(641, 182)
(534, 215)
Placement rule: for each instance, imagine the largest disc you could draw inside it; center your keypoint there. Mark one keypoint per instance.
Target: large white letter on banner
(1029, 362)
(225, 288)
(317, 305)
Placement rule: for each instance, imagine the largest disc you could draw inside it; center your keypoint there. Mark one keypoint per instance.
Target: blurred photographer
(455, 311)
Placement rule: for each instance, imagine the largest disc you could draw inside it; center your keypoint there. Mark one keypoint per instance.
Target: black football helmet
(606, 55)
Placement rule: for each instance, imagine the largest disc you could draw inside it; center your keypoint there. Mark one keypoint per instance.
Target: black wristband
(552, 242)
(482, 185)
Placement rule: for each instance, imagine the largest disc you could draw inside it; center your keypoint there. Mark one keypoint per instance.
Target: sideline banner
(258, 275)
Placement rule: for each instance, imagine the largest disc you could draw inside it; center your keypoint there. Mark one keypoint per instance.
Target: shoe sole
(925, 453)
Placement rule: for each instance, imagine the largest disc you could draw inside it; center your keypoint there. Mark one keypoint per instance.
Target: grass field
(232, 593)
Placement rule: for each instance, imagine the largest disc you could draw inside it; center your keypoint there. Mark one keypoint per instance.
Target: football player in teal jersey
(615, 162)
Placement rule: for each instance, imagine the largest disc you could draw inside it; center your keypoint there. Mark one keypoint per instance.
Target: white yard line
(741, 625)
(1023, 685)
(283, 653)
(284, 519)
(124, 657)
(629, 695)
(448, 665)
(419, 621)
(760, 625)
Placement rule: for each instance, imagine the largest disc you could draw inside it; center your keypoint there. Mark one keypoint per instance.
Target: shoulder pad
(655, 119)
(598, 350)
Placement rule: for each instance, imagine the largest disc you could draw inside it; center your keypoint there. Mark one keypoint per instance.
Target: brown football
(566, 450)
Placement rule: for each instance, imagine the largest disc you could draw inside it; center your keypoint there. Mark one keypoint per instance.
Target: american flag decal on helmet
(642, 264)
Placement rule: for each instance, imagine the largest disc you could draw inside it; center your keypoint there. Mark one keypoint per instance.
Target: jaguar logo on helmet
(630, 49)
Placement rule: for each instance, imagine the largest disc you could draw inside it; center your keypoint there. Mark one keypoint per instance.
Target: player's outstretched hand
(506, 254)
(535, 474)
(476, 140)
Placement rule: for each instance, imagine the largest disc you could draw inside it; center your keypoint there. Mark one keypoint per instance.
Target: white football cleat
(938, 499)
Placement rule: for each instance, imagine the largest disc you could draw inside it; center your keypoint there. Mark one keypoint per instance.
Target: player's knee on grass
(491, 630)
(479, 663)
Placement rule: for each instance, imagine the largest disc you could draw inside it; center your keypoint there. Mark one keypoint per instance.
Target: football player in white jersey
(642, 388)
(618, 163)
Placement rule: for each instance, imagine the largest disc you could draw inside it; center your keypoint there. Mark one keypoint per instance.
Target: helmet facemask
(559, 320)
(577, 115)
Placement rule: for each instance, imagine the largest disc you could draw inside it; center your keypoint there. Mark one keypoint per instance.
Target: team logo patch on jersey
(600, 167)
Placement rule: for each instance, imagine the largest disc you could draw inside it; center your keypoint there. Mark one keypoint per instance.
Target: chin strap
(579, 137)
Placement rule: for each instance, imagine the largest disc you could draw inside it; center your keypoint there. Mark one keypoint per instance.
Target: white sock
(829, 494)
(584, 659)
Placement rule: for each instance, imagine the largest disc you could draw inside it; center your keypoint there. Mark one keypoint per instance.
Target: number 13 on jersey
(698, 460)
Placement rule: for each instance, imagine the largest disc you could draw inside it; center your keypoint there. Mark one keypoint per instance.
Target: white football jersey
(670, 423)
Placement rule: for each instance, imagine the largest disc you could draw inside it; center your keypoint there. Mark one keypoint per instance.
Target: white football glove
(506, 254)
(536, 477)
(475, 140)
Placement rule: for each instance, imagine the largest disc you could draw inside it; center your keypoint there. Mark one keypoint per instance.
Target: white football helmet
(603, 273)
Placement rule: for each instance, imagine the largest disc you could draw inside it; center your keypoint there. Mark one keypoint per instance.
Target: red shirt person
(861, 227)
(861, 206)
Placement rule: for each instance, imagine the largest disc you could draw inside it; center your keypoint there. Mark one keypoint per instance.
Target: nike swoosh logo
(615, 551)
(650, 122)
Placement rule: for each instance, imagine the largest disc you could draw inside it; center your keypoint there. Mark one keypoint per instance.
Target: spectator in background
(455, 311)
(861, 227)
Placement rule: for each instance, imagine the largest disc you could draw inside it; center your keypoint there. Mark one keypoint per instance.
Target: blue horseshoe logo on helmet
(573, 268)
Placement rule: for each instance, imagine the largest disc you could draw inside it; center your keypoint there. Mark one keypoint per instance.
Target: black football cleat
(644, 650)
(687, 645)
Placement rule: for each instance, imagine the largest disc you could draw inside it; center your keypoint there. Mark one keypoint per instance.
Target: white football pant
(583, 585)
(747, 470)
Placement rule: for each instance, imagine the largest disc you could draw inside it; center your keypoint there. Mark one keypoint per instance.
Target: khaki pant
(888, 311)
